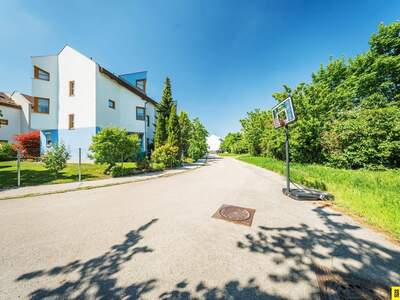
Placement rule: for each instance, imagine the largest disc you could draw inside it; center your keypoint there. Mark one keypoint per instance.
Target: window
(71, 121)
(141, 84)
(41, 74)
(111, 104)
(48, 138)
(148, 121)
(72, 88)
(140, 113)
(3, 122)
(41, 105)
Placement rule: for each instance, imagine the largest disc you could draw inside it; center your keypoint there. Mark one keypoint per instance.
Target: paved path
(156, 240)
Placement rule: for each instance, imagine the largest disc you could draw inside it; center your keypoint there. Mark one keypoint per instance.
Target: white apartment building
(15, 111)
(74, 97)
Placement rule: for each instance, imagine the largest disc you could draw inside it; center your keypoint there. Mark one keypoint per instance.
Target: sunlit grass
(34, 173)
(372, 195)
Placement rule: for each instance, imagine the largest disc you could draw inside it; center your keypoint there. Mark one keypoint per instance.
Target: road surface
(157, 240)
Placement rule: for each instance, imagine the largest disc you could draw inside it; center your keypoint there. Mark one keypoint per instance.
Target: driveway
(156, 240)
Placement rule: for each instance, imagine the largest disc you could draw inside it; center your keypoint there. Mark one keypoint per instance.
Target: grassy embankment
(33, 173)
(371, 195)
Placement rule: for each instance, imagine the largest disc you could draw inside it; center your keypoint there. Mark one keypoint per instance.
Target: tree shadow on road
(95, 276)
(231, 290)
(309, 251)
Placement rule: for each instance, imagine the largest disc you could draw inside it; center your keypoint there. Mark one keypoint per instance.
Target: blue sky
(224, 57)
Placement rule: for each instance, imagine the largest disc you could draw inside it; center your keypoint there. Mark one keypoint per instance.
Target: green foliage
(55, 159)
(346, 115)
(369, 137)
(142, 163)
(174, 131)
(186, 131)
(198, 140)
(163, 113)
(7, 152)
(120, 171)
(157, 166)
(234, 143)
(112, 145)
(253, 128)
(167, 155)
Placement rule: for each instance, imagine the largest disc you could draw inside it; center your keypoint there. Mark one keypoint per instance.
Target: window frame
(48, 140)
(37, 70)
(71, 121)
(71, 88)
(144, 113)
(36, 105)
(113, 104)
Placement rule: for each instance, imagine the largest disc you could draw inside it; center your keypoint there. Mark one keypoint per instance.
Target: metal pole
(19, 167)
(287, 159)
(79, 165)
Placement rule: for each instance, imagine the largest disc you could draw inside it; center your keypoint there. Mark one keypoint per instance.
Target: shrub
(167, 155)
(7, 152)
(157, 166)
(112, 145)
(120, 171)
(28, 143)
(142, 163)
(55, 159)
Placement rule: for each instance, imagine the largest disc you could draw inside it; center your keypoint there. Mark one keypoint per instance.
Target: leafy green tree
(198, 140)
(166, 156)
(174, 130)
(234, 143)
(253, 128)
(163, 113)
(55, 159)
(186, 131)
(111, 145)
(365, 138)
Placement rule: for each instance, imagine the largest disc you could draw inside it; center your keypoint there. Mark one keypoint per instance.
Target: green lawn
(372, 195)
(33, 173)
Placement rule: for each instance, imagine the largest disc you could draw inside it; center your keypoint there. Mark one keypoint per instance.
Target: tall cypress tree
(163, 113)
(174, 131)
(186, 131)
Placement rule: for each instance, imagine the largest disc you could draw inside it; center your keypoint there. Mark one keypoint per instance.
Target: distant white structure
(16, 114)
(74, 98)
(213, 142)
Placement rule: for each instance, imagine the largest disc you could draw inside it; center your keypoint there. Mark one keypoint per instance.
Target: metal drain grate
(235, 214)
(340, 286)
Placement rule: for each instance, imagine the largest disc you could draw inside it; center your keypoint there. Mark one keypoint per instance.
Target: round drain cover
(234, 213)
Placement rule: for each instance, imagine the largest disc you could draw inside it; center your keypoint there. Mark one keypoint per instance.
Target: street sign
(283, 113)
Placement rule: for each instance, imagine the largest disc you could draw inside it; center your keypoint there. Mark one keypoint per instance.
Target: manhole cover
(234, 213)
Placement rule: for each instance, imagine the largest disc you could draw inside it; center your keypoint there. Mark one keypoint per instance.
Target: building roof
(27, 97)
(128, 86)
(5, 100)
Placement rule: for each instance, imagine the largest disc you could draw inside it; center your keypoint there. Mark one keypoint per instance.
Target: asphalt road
(156, 240)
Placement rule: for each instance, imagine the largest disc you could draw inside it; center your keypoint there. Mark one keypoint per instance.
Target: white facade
(93, 87)
(15, 117)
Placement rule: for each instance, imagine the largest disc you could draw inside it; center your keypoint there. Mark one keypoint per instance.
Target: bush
(142, 163)
(365, 138)
(120, 171)
(7, 152)
(167, 155)
(157, 166)
(112, 145)
(55, 159)
(29, 144)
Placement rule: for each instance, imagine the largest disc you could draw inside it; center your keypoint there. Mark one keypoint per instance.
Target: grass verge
(371, 195)
(34, 173)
